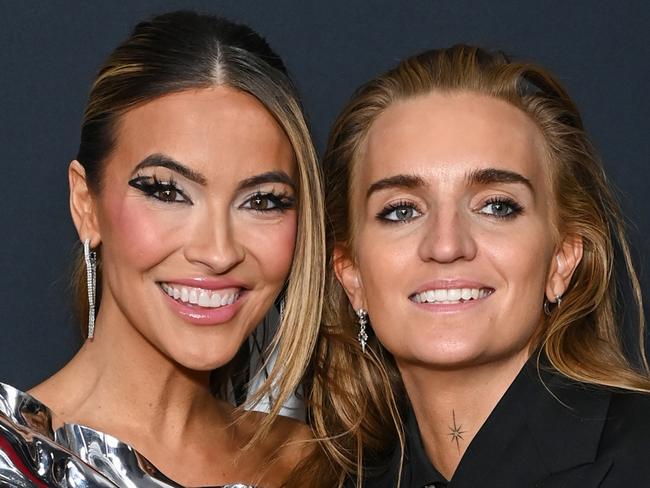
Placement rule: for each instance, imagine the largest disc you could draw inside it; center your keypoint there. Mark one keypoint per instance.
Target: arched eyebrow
(487, 176)
(164, 161)
(484, 176)
(268, 177)
(396, 181)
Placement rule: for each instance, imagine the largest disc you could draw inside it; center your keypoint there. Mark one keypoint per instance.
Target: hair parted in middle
(186, 50)
(356, 399)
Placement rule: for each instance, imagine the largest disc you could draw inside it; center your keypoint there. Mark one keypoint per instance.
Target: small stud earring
(90, 257)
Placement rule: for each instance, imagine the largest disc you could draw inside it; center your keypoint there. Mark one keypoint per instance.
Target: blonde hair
(354, 394)
(186, 50)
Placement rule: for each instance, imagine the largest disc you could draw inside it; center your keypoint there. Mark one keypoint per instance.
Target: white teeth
(454, 294)
(451, 295)
(202, 297)
(215, 300)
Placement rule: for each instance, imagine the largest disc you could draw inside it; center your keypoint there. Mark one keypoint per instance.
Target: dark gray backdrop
(50, 50)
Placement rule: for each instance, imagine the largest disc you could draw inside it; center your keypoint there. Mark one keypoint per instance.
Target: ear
(348, 275)
(566, 259)
(82, 205)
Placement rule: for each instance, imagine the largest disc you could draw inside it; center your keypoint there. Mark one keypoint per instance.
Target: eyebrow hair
(397, 181)
(487, 176)
(170, 163)
(268, 177)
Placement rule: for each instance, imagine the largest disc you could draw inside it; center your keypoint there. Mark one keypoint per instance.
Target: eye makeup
(501, 207)
(269, 201)
(401, 211)
(167, 191)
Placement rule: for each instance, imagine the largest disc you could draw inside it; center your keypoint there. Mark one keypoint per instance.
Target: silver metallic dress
(32, 455)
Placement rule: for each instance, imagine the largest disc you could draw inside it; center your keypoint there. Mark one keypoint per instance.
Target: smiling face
(453, 245)
(197, 222)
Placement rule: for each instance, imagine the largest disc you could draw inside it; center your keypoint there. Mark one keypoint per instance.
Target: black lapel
(544, 424)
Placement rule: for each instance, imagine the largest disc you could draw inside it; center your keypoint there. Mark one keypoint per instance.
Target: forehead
(445, 135)
(211, 129)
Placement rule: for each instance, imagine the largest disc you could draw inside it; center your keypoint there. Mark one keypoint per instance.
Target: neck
(122, 384)
(451, 405)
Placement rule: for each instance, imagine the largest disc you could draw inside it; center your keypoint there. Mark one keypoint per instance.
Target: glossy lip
(200, 315)
(447, 284)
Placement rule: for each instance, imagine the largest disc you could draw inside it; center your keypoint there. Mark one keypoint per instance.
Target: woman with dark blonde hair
(471, 335)
(196, 193)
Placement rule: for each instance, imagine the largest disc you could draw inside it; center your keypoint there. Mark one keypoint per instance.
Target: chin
(202, 361)
(447, 356)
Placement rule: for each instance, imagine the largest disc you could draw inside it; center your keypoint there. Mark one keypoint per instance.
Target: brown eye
(164, 191)
(260, 202)
(268, 202)
(168, 195)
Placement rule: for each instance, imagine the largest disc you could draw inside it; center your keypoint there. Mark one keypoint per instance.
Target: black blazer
(576, 437)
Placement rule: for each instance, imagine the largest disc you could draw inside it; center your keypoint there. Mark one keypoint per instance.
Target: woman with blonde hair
(471, 335)
(196, 193)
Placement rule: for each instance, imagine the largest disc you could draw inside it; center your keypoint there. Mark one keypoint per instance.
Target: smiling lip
(204, 301)
(450, 295)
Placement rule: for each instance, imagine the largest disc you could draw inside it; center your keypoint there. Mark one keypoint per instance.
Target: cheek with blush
(141, 233)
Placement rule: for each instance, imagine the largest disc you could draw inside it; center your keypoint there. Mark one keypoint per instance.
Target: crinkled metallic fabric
(32, 455)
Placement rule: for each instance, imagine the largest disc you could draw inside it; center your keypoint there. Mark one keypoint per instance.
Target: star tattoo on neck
(457, 432)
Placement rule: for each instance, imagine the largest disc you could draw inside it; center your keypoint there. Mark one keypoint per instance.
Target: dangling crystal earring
(362, 336)
(281, 311)
(91, 279)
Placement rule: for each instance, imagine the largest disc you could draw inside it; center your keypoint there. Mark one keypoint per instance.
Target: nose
(447, 237)
(213, 243)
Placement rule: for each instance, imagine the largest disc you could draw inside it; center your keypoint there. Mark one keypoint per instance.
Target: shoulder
(628, 419)
(286, 434)
(625, 440)
(287, 443)
(25, 410)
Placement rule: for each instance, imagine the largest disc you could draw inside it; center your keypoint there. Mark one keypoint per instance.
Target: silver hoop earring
(91, 280)
(547, 306)
(362, 336)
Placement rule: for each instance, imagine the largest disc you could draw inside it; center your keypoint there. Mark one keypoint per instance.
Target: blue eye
(165, 191)
(502, 208)
(399, 212)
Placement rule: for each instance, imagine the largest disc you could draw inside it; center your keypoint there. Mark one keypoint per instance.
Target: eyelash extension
(151, 185)
(516, 208)
(391, 207)
(282, 201)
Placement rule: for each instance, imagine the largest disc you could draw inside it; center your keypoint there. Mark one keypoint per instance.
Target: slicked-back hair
(185, 50)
